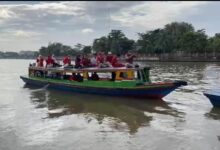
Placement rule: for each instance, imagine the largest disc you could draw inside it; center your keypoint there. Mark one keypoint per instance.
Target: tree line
(174, 37)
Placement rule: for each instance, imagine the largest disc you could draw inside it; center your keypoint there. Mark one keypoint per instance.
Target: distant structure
(27, 53)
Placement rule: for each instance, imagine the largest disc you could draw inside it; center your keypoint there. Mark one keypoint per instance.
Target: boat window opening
(104, 75)
(124, 75)
(94, 76)
(139, 75)
(113, 76)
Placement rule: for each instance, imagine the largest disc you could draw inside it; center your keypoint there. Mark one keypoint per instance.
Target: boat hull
(152, 93)
(214, 99)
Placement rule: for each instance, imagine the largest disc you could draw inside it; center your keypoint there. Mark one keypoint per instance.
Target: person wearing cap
(109, 58)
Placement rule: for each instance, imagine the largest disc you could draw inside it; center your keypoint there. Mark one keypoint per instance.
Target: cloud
(21, 33)
(55, 8)
(152, 15)
(59, 8)
(16, 34)
(6, 14)
(61, 20)
(87, 30)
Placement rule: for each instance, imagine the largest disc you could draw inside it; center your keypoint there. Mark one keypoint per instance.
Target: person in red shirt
(73, 77)
(109, 57)
(100, 58)
(86, 61)
(40, 61)
(67, 61)
(49, 61)
(115, 62)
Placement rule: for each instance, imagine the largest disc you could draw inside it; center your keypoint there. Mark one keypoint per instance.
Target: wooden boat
(130, 82)
(214, 97)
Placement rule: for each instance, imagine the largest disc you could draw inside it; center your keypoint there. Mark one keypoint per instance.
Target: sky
(28, 25)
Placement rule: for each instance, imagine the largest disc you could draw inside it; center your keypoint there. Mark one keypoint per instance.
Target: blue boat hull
(153, 93)
(214, 99)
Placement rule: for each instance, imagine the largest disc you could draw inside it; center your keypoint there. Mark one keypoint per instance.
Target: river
(42, 119)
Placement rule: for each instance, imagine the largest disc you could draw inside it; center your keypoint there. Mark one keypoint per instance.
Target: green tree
(87, 49)
(57, 49)
(115, 41)
(214, 43)
(194, 42)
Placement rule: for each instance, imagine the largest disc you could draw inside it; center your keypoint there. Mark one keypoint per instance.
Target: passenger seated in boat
(94, 77)
(78, 62)
(73, 77)
(49, 62)
(115, 62)
(67, 62)
(79, 78)
(40, 61)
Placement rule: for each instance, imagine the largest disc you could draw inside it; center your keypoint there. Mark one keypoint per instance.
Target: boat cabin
(112, 74)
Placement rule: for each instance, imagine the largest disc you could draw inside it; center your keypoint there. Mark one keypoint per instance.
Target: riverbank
(178, 57)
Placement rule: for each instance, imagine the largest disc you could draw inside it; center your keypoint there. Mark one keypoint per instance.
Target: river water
(42, 119)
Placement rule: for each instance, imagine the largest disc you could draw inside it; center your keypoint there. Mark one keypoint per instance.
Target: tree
(87, 49)
(214, 43)
(57, 49)
(176, 36)
(101, 44)
(194, 41)
(115, 41)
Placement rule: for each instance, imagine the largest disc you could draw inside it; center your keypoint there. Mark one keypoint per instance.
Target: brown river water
(43, 119)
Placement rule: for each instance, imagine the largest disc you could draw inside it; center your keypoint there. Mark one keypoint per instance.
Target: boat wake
(41, 89)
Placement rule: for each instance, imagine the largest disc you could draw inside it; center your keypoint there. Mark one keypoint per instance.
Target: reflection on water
(118, 110)
(33, 118)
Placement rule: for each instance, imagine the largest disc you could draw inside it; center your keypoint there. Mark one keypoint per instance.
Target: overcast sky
(30, 25)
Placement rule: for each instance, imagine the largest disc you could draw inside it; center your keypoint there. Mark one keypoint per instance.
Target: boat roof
(92, 69)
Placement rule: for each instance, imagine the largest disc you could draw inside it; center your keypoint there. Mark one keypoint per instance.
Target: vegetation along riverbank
(177, 41)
